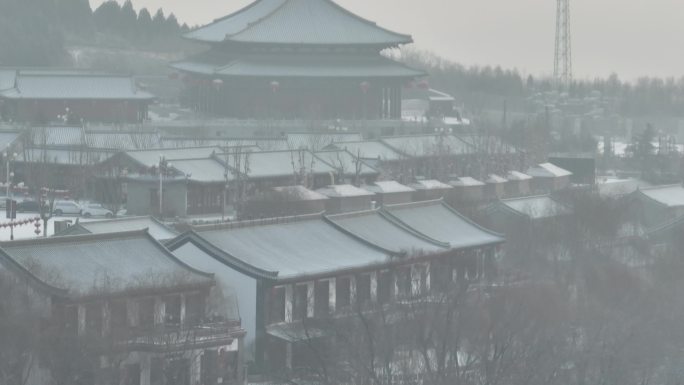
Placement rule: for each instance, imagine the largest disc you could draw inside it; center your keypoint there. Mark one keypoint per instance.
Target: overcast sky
(629, 37)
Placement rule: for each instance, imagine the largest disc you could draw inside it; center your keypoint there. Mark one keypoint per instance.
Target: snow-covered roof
(207, 170)
(298, 22)
(271, 164)
(536, 207)
(150, 158)
(60, 85)
(344, 191)
(345, 161)
(156, 229)
(517, 176)
(613, 187)
(427, 145)
(466, 181)
(496, 179)
(374, 227)
(430, 184)
(301, 247)
(317, 141)
(442, 223)
(300, 193)
(370, 149)
(102, 264)
(547, 170)
(388, 187)
(670, 196)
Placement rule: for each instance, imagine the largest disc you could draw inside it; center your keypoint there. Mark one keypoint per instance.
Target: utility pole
(562, 67)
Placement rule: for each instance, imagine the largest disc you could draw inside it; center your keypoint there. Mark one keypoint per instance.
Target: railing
(174, 337)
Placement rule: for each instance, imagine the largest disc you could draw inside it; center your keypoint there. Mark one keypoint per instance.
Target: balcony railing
(179, 338)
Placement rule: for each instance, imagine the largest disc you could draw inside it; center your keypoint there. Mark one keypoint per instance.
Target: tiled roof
(156, 229)
(307, 246)
(430, 185)
(297, 66)
(271, 164)
(388, 187)
(300, 22)
(547, 170)
(71, 85)
(344, 161)
(375, 228)
(536, 207)
(427, 145)
(344, 191)
(318, 141)
(150, 158)
(103, 264)
(442, 223)
(466, 181)
(370, 149)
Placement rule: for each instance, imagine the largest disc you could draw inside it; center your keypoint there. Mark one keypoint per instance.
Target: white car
(66, 207)
(96, 210)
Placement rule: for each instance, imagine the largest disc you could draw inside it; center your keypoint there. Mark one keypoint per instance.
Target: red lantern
(275, 86)
(424, 84)
(365, 86)
(174, 76)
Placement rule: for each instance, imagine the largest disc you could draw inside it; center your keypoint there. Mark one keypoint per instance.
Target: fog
(608, 35)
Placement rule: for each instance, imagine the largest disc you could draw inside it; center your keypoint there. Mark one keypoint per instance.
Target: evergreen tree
(128, 20)
(107, 16)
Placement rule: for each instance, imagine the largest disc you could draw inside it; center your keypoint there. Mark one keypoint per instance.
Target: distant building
(657, 205)
(296, 59)
(347, 198)
(314, 267)
(548, 177)
(390, 192)
(156, 229)
(73, 96)
(137, 311)
(509, 214)
(582, 167)
(426, 190)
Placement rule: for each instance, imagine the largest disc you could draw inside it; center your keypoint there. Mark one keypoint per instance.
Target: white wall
(244, 287)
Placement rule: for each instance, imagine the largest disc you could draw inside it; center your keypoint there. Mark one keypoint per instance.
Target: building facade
(296, 59)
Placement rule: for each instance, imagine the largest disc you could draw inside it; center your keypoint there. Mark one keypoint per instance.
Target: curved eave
(275, 19)
(17, 268)
(207, 247)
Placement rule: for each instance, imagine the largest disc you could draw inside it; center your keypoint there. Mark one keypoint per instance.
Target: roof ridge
(526, 197)
(257, 222)
(369, 22)
(259, 20)
(72, 238)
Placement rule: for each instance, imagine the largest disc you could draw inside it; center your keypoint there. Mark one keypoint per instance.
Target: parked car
(28, 206)
(96, 210)
(66, 207)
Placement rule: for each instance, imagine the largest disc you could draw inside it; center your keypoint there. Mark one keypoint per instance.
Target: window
(343, 292)
(322, 299)
(278, 304)
(403, 282)
(118, 317)
(146, 313)
(194, 309)
(384, 287)
(300, 302)
(363, 289)
(172, 304)
(441, 276)
(94, 319)
(71, 320)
